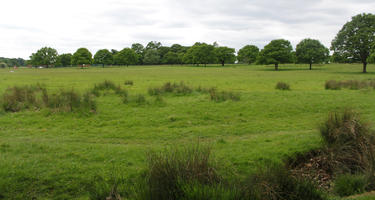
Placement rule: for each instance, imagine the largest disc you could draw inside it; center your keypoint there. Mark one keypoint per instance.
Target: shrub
(223, 95)
(108, 85)
(282, 86)
(71, 101)
(332, 85)
(140, 99)
(347, 184)
(350, 142)
(129, 82)
(169, 172)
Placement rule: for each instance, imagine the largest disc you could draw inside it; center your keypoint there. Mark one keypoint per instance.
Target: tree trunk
(103, 65)
(222, 63)
(276, 66)
(364, 67)
(310, 66)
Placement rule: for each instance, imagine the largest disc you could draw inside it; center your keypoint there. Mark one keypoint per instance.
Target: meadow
(49, 155)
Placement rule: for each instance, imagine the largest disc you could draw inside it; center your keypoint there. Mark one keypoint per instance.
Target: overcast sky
(27, 25)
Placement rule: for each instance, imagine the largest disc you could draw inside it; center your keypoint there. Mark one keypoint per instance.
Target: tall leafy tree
(354, 40)
(82, 57)
(276, 52)
(64, 60)
(153, 45)
(172, 58)
(151, 57)
(45, 56)
(127, 57)
(311, 51)
(200, 53)
(103, 57)
(225, 55)
(248, 54)
(139, 51)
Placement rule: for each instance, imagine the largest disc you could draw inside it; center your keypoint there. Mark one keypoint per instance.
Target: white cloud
(26, 26)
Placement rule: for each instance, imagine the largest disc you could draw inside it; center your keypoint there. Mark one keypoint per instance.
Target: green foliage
(276, 52)
(45, 56)
(172, 58)
(350, 84)
(225, 55)
(311, 51)
(3, 65)
(354, 40)
(282, 86)
(348, 184)
(248, 54)
(13, 61)
(82, 57)
(108, 85)
(332, 85)
(139, 51)
(175, 88)
(126, 57)
(151, 57)
(129, 82)
(103, 57)
(64, 60)
(200, 53)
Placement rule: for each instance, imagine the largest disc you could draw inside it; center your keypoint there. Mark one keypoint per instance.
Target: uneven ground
(56, 155)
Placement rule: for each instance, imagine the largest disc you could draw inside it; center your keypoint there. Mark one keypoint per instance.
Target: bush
(108, 85)
(18, 98)
(282, 86)
(129, 82)
(223, 95)
(332, 85)
(347, 184)
(169, 172)
(350, 142)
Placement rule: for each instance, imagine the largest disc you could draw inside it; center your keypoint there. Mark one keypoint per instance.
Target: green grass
(57, 155)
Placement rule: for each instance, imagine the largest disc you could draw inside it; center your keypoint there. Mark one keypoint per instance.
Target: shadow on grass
(289, 68)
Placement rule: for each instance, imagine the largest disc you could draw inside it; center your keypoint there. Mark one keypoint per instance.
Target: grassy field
(57, 155)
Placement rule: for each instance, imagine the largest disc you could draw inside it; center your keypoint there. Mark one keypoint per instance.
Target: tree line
(355, 42)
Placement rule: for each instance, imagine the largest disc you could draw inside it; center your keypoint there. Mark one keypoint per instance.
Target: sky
(66, 25)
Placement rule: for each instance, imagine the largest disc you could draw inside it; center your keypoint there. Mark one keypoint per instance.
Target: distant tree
(82, 57)
(276, 52)
(172, 58)
(153, 45)
(3, 65)
(64, 60)
(200, 53)
(151, 57)
(103, 57)
(353, 42)
(45, 56)
(127, 57)
(176, 48)
(225, 55)
(162, 51)
(139, 51)
(248, 54)
(311, 51)
(113, 52)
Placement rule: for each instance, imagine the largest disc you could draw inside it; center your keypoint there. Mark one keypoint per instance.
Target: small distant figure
(15, 67)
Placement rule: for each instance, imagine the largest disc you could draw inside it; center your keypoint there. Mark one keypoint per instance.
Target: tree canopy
(248, 54)
(276, 52)
(310, 51)
(103, 57)
(46, 56)
(127, 57)
(82, 57)
(64, 60)
(200, 53)
(225, 55)
(353, 42)
(151, 57)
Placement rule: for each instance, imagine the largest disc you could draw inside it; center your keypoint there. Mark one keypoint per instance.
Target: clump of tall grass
(128, 82)
(282, 86)
(350, 142)
(175, 88)
(36, 97)
(108, 85)
(220, 96)
(273, 182)
(350, 84)
(169, 171)
(349, 184)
